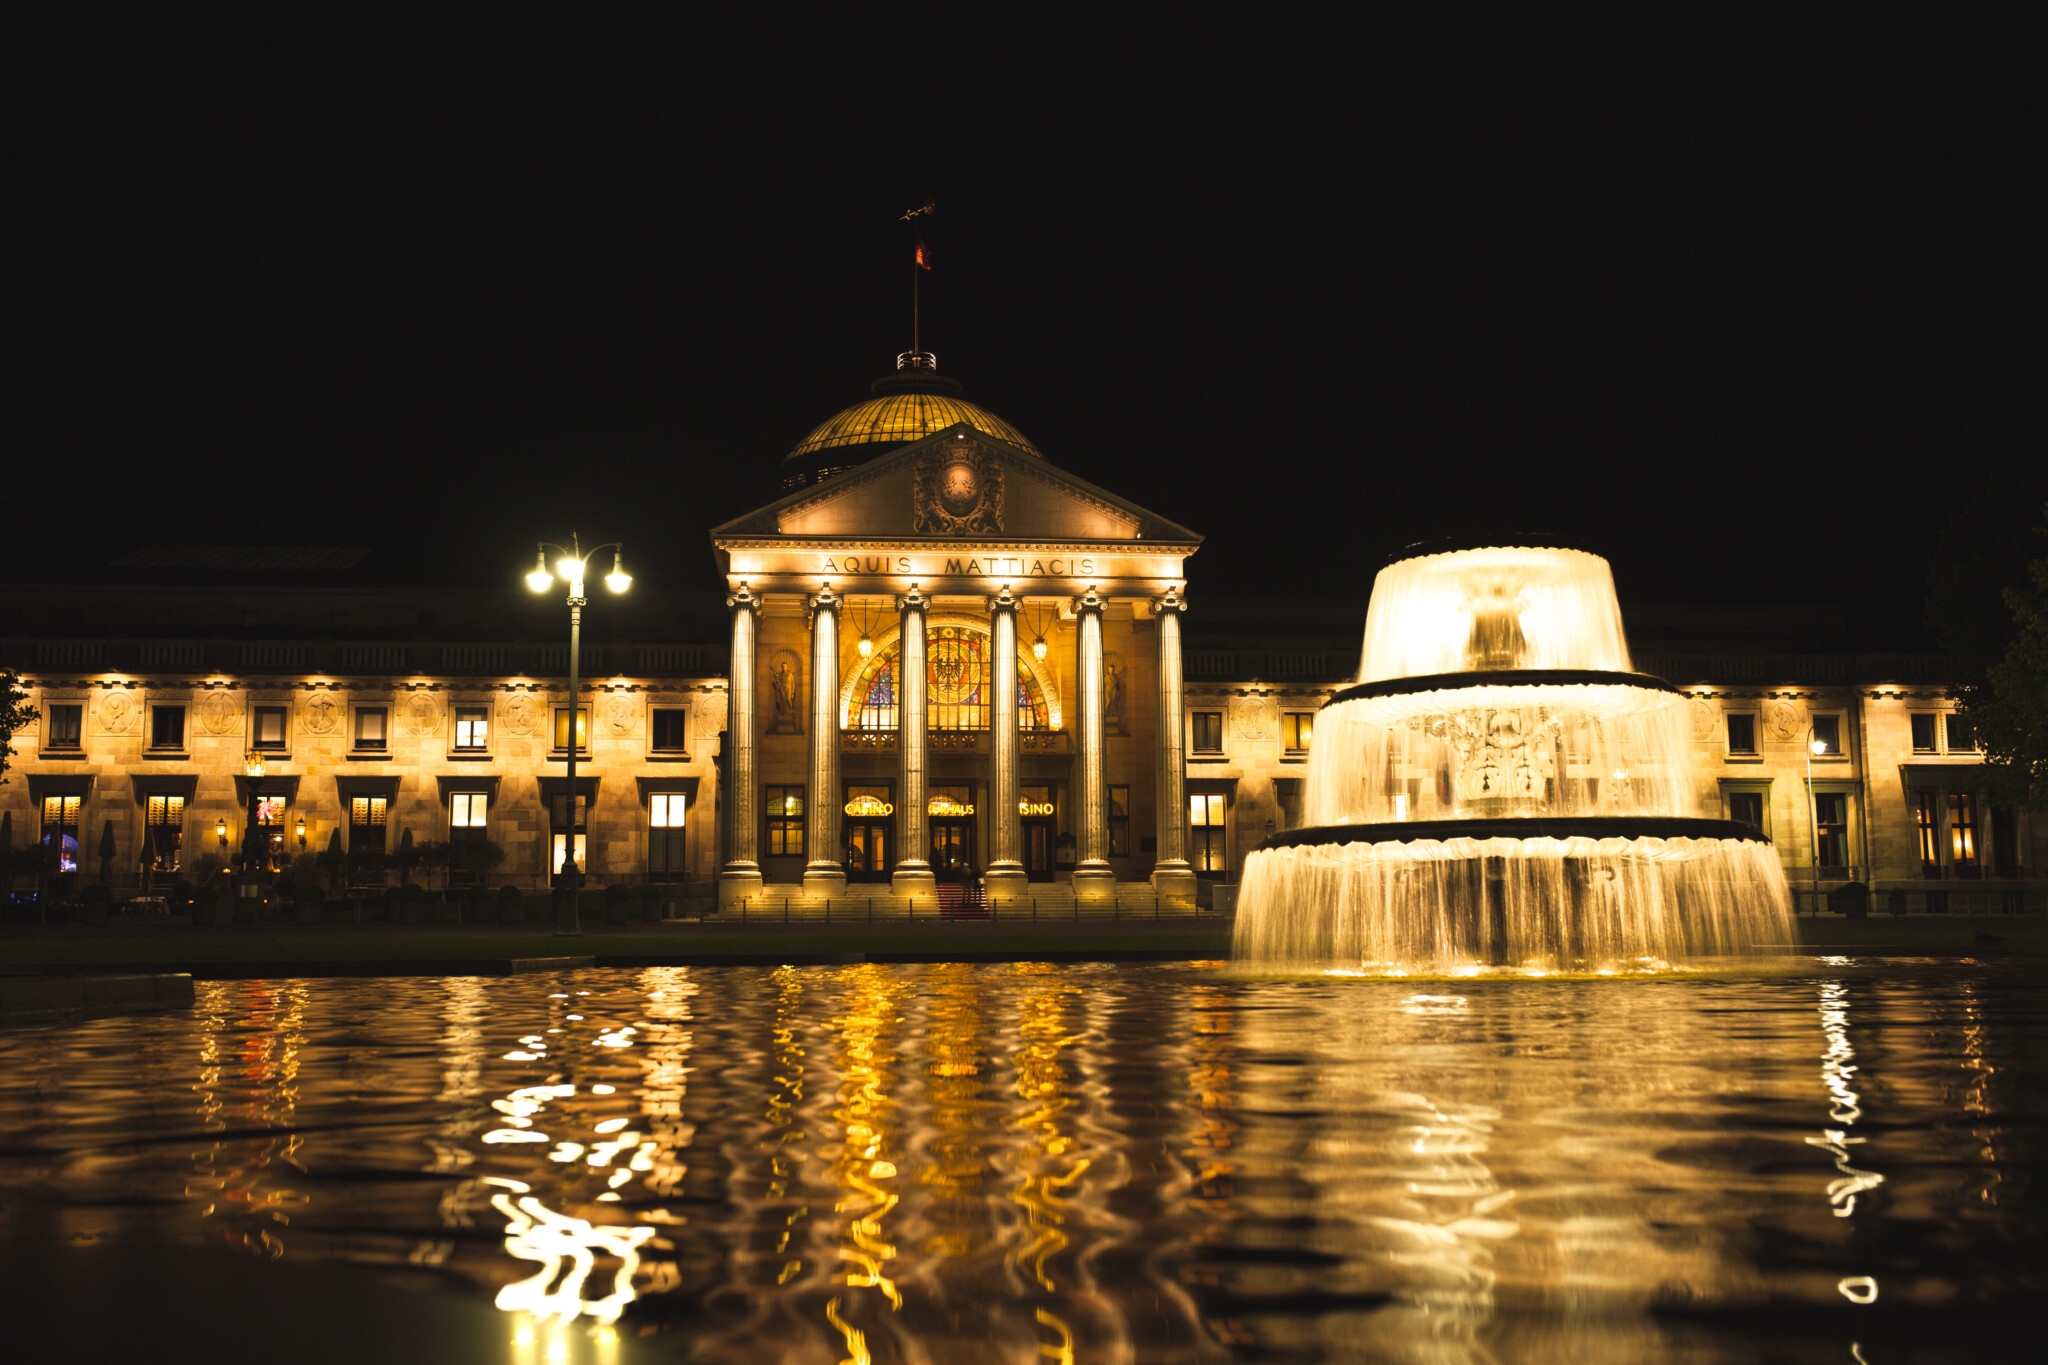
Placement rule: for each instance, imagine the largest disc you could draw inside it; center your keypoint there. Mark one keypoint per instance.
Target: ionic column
(1093, 876)
(913, 875)
(1005, 826)
(741, 874)
(1171, 875)
(824, 873)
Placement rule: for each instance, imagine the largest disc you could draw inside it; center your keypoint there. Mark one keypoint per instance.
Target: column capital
(825, 600)
(913, 600)
(1170, 601)
(1090, 600)
(1004, 600)
(743, 598)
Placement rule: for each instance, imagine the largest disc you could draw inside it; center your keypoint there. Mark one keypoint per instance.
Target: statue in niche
(785, 685)
(1113, 694)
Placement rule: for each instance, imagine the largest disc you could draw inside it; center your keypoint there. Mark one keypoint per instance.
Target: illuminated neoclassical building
(949, 655)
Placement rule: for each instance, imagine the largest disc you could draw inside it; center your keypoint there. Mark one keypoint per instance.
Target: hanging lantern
(867, 647)
(1038, 649)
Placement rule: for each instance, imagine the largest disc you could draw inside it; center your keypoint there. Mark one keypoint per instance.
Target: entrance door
(1036, 807)
(867, 850)
(952, 846)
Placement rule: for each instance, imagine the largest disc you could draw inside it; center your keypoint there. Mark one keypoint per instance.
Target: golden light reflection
(866, 1113)
(250, 1038)
(566, 1249)
(1042, 1081)
(1845, 1108)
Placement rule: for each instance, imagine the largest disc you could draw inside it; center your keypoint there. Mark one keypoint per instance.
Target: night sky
(1747, 311)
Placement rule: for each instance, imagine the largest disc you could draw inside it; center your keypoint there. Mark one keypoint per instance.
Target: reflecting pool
(1028, 1162)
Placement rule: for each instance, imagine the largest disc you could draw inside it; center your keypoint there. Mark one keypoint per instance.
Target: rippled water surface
(1086, 1163)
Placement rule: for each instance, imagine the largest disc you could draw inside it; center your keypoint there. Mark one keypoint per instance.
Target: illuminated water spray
(1502, 789)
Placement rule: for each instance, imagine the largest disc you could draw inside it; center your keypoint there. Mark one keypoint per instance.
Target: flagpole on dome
(920, 260)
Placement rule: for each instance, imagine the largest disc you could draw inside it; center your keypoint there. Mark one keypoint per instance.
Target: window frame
(1208, 840)
(782, 821)
(356, 715)
(156, 817)
(1197, 720)
(51, 741)
(671, 838)
(679, 716)
(376, 811)
(166, 708)
(470, 714)
(1754, 721)
(1934, 729)
(283, 742)
(1839, 723)
(70, 808)
(1119, 820)
(1293, 747)
(556, 710)
(1759, 787)
(1951, 723)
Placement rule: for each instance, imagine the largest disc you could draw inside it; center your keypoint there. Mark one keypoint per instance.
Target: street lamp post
(1815, 746)
(570, 564)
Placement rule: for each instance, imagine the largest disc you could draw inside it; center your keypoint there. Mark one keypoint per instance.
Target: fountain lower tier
(1563, 894)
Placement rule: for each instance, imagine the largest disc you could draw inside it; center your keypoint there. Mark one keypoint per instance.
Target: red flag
(923, 257)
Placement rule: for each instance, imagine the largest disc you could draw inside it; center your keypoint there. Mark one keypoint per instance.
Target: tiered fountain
(1501, 790)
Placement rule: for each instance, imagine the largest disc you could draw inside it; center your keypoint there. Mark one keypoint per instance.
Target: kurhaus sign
(1003, 565)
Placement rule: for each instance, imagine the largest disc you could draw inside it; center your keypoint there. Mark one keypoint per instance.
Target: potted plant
(511, 905)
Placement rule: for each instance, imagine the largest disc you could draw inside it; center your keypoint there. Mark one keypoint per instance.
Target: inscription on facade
(971, 566)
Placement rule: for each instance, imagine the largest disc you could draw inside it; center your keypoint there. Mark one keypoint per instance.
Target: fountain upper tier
(1493, 609)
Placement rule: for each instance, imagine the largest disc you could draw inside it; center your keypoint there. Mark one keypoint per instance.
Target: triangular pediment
(958, 484)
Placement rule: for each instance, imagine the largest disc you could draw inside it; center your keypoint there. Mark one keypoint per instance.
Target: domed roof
(907, 406)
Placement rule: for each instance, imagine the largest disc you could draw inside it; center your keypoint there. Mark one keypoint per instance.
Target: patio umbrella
(107, 852)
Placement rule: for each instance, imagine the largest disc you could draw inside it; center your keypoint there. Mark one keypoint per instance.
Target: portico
(967, 662)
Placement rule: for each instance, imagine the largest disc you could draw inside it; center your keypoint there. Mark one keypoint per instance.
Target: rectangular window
(269, 727)
(1962, 736)
(164, 832)
(1742, 733)
(1208, 732)
(1119, 821)
(472, 728)
(1923, 734)
(366, 822)
(1925, 825)
(1295, 729)
(468, 810)
(1962, 833)
(370, 727)
(167, 727)
(1287, 793)
(66, 725)
(60, 829)
(665, 835)
(1827, 732)
(671, 729)
(1831, 829)
(558, 822)
(1747, 808)
(582, 729)
(1206, 846)
(785, 812)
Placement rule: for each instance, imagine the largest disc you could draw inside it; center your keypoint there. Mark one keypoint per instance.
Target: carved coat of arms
(321, 716)
(958, 492)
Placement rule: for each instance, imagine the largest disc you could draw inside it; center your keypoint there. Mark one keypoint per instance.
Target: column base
(825, 881)
(1175, 883)
(1006, 880)
(736, 884)
(1094, 882)
(914, 879)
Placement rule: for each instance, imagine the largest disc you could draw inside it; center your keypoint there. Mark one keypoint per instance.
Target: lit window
(472, 728)
(366, 822)
(671, 727)
(1962, 833)
(468, 810)
(1831, 829)
(957, 685)
(1827, 733)
(164, 832)
(1295, 728)
(665, 834)
(784, 807)
(1927, 826)
(269, 727)
(1206, 814)
(1747, 808)
(1119, 821)
(1742, 733)
(1962, 736)
(167, 727)
(582, 729)
(558, 820)
(66, 726)
(60, 829)
(1208, 731)
(1924, 741)
(370, 727)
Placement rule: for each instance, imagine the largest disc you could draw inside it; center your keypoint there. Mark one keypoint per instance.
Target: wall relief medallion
(1702, 713)
(1254, 717)
(219, 714)
(422, 715)
(117, 712)
(1784, 721)
(323, 714)
(786, 693)
(620, 712)
(1115, 681)
(522, 715)
(958, 492)
(708, 716)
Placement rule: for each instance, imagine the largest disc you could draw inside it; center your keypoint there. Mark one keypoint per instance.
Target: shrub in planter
(653, 897)
(206, 905)
(405, 903)
(511, 905)
(307, 898)
(476, 903)
(616, 897)
(93, 901)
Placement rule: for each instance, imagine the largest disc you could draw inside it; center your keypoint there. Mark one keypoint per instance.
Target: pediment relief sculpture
(958, 491)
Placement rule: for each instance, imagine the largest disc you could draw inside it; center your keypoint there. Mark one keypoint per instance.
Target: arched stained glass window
(957, 691)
